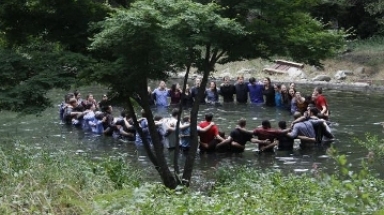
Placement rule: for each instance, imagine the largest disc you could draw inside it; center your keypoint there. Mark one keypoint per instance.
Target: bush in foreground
(40, 182)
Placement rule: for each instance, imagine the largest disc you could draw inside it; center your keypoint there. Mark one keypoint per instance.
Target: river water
(354, 114)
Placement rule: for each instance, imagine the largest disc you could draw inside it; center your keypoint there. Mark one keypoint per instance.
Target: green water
(354, 115)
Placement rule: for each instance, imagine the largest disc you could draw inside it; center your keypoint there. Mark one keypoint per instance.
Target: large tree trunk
(162, 165)
(177, 148)
(190, 161)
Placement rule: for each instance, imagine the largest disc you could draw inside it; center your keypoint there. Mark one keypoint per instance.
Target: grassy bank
(41, 182)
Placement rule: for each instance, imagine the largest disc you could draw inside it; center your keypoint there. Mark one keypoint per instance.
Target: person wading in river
(210, 138)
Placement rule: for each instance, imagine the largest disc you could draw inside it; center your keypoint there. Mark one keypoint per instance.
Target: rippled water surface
(353, 113)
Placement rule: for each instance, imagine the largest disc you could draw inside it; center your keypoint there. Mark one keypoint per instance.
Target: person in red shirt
(321, 102)
(210, 138)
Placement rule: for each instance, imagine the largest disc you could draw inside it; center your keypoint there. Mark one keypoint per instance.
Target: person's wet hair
(222, 134)
(123, 113)
(208, 117)
(319, 90)
(173, 87)
(242, 123)
(99, 115)
(72, 100)
(87, 106)
(68, 96)
(76, 93)
(282, 124)
(314, 111)
(175, 112)
(186, 119)
(252, 80)
(266, 124)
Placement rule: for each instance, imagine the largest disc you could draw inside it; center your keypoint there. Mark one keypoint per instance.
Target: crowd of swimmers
(310, 115)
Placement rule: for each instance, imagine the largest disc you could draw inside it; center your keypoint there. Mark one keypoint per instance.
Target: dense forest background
(38, 37)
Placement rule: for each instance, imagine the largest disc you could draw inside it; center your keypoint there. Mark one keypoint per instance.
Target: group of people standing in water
(260, 92)
(309, 125)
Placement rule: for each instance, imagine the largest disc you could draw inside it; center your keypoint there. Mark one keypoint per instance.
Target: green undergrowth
(42, 182)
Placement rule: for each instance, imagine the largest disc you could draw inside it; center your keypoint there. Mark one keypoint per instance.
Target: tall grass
(42, 182)
(375, 43)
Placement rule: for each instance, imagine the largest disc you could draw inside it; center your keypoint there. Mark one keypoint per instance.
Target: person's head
(105, 97)
(267, 81)
(87, 106)
(252, 80)
(297, 115)
(73, 102)
(68, 96)
(313, 111)
(142, 112)
(149, 89)
(173, 87)
(123, 113)
(277, 87)
(313, 97)
(283, 88)
(208, 117)
(242, 123)
(162, 85)
(317, 91)
(226, 80)
(282, 124)
(197, 82)
(186, 119)
(90, 97)
(298, 95)
(266, 124)
(187, 87)
(175, 112)
(240, 79)
(212, 85)
(308, 99)
(292, 92)
(107, 109)
(77, 94)
(292, 85)
(99, 115)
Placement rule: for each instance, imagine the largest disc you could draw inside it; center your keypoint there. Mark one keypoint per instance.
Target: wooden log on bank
(272, 71)
(290, 63)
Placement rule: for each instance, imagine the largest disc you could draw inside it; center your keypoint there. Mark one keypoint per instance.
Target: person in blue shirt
(185, 135)
(143, 122)
(212, 94)
(160, 95)
(255, 91)
(278, 96)
(97, 123)
(88, 117)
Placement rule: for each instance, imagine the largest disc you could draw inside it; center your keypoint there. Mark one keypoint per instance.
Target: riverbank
(359, 68)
